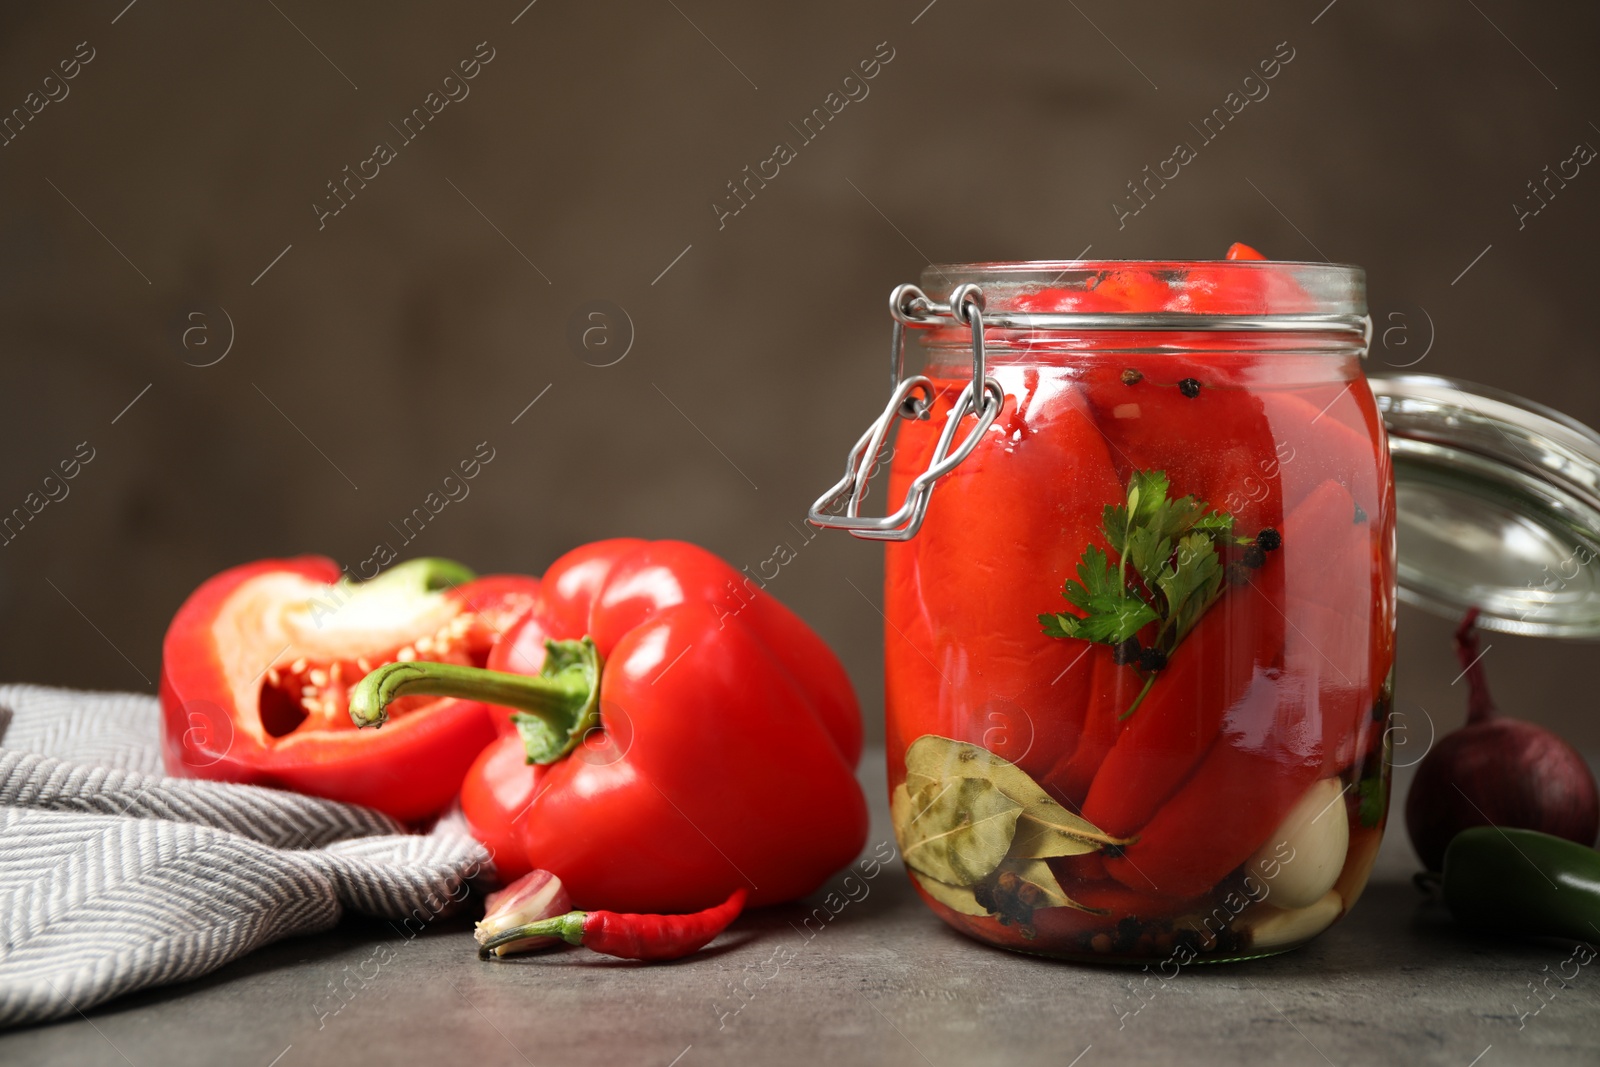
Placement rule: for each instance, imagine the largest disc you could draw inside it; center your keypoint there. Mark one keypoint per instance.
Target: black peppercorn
(1189, 387)
(1152, 659)
(1269, 539)
(1254, 556)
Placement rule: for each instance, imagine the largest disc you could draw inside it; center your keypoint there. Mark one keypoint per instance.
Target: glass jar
(1140, 639)
(1139, 646)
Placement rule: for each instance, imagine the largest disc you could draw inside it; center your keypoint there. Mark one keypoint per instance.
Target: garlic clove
(1307, 850)
(1273, 928)
(536, 895)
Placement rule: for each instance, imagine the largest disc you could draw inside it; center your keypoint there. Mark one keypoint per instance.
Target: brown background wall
(380, 349)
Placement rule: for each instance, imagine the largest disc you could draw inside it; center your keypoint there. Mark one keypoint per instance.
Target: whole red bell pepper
(258, 662)
(689, 735)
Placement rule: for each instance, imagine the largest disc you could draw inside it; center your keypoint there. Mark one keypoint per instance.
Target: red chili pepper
(691, 735)
(631, 937)
(258, 663)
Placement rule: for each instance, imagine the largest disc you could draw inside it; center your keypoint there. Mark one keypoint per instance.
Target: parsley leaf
(1167, 573)
(1112, 612)
(1374, 800)
(1191, 583)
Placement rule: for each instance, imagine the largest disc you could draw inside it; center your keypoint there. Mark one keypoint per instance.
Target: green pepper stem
(1148, 682)
(568, 927)
(536, 696)
(556, 706)
(426, 573)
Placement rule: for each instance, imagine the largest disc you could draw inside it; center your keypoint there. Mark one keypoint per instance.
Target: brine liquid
(1275, 703)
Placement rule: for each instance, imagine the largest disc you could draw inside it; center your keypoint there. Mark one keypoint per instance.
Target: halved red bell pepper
(258, 662)
(691, 736)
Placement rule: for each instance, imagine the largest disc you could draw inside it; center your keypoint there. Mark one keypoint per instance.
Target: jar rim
(1004, 266)
(1221, 288)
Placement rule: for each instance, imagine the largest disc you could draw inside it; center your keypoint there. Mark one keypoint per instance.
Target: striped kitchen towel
(115, 877)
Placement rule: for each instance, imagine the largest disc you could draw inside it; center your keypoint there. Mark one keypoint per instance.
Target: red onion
(1497, 772)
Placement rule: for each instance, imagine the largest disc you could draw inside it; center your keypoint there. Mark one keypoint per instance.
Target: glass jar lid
(1497, 505)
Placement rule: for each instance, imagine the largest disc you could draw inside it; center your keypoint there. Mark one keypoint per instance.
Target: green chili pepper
(1523, 882)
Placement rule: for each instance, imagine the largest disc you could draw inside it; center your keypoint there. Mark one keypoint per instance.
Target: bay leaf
(1046, 828)
(958, 898)
(900, 812)
(956, 831)
(1037, 873)
(1030, 884)
(939, 758)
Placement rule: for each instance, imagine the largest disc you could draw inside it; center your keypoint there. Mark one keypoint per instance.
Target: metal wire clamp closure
(912, 398)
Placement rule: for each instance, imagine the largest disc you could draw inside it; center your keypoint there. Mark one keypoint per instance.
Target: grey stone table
(883, 981)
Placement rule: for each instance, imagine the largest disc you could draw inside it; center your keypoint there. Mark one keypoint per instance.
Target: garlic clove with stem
(536, 895)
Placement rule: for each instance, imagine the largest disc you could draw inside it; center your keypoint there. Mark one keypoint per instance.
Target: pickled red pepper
(1007, 502)
(1178, 850)
(1185, 715)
